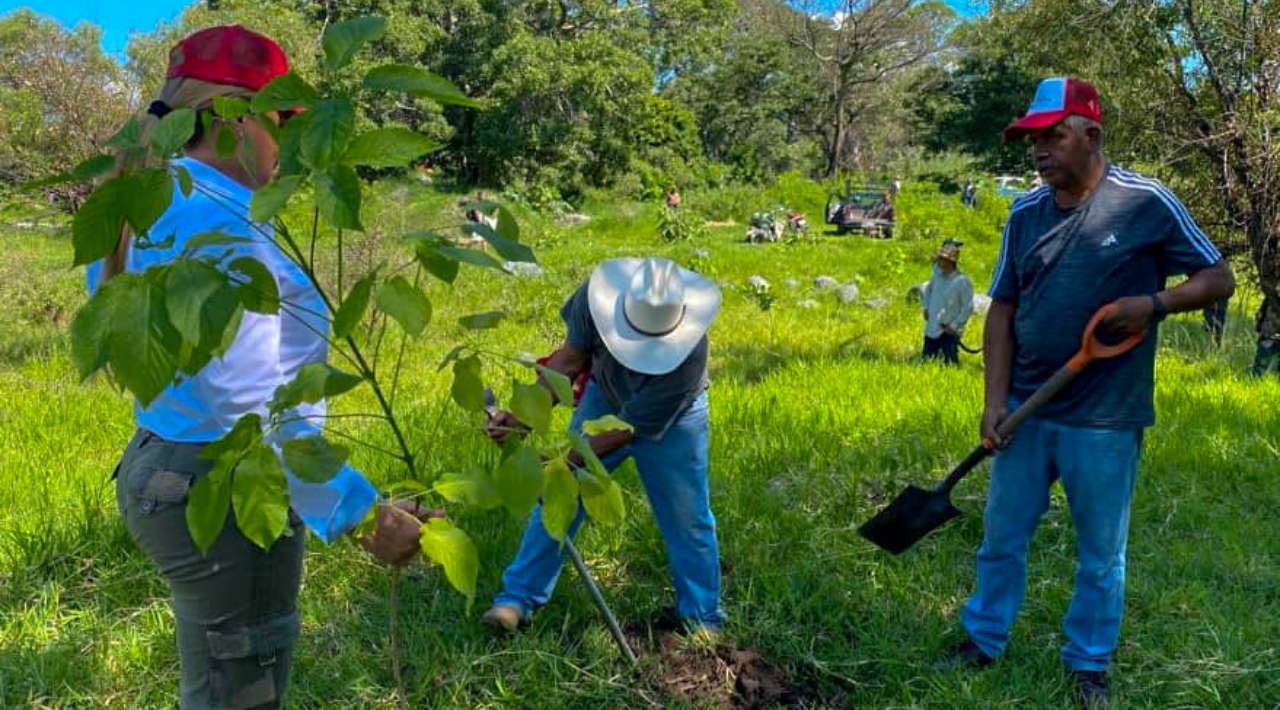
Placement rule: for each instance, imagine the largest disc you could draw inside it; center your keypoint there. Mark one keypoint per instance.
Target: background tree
(860, 45)
(60, 96)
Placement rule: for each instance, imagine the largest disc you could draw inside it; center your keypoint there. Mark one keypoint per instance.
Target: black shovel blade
(912, 515)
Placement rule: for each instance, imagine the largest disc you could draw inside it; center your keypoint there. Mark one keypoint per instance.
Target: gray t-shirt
(650, 403)
(1060, 266)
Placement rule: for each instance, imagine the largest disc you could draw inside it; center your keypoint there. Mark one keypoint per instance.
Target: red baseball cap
(1056, 99)
(229, 55)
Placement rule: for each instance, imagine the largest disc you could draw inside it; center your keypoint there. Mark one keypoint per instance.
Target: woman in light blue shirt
(235, 605)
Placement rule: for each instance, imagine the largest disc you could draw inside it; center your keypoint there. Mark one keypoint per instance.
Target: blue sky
(118, 18)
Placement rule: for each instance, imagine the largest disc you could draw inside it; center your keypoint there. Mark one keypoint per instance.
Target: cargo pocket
(249, 665)
(157, 489)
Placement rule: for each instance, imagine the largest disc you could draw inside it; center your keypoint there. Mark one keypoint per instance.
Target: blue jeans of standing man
(674, 472)
(1098, 468)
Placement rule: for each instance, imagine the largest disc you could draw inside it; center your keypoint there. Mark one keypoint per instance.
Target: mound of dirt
(724, 677)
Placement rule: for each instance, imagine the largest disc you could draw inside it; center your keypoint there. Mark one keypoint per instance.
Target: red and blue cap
(1056, 99)
(230, 55)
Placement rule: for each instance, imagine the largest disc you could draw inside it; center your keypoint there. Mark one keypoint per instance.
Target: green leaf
(560, 385)
(259, 292)
(589, 458)
(260, 496)
(314, 382)
(129, 136)
(327, 129)
(406, 304)
(407, 488)
(87, 170)
(139, 198)
(147, 195)
(417, 82)
(244, 434)
(313, 459)
(602, 497)
(388, 148)
(627, 468)
(232, 108)
(508, 228)
(469, 256)
(519, 480)
(452, 549)
(467, 389)
(559, 498)
(532, 405)
(184, 180)
(289, 138)
(173, 131)
(95, 229)
(438, 266)
(226, 144)
(284, 92)
(143, 348)
(450, 357)
(220, 317)
(353, 307)
(474, 488)
(92, 325)
(342, 40)
(604, 425)
(271, 198)
(426, 247)
(338, 197)
(507, 249)
(482, 321)
(189, 285)
(205, 240)
(207, 505)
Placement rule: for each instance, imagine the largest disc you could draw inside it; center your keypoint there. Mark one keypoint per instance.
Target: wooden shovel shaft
(1043, 394)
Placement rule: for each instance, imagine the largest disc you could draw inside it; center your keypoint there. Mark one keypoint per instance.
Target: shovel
(615, 630)
(916, 512)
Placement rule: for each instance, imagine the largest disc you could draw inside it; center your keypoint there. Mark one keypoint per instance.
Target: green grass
(819, 415)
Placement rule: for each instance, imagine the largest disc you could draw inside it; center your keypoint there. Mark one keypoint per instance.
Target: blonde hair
(176, 93)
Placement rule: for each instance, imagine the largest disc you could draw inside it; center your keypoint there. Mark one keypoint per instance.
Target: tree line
(645, 95)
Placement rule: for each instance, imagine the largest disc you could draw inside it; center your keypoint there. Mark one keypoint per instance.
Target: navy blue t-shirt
(1060, 266)
(650, 403)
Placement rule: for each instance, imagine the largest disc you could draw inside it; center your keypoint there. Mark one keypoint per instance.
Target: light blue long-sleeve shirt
(268, 350)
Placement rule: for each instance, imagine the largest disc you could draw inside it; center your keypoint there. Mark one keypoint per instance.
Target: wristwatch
(1159, 311)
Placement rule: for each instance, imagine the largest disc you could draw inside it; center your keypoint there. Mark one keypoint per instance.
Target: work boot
(1092, 690)
(964, 655)
(503, 617)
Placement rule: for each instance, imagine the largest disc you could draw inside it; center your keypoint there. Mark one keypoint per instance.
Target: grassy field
(820, 413)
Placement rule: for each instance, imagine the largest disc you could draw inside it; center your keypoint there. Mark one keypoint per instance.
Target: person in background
(948, 304)
(1267, 359)
(1095, 235)
(970, 194)
(640, 327)
(895, 187)
(236, 605)
(673, 198)
(1215, 319)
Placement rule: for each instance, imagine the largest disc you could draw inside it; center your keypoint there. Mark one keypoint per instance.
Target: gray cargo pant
(236, 607)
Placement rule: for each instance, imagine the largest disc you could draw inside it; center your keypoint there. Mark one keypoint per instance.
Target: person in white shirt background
(235, 606)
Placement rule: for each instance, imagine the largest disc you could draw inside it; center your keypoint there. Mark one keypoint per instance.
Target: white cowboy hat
(651, 313)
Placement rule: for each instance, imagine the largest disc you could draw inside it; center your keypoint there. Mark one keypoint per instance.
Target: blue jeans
(674, 472)
(1098, 468)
